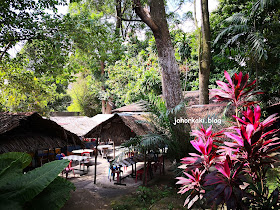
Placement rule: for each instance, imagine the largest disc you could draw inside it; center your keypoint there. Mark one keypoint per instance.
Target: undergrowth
(144, 198)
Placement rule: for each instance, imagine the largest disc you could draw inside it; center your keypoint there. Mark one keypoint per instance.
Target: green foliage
(245, 35)
(130, 79)
(93, 35)
(54, 196)
(38, 75)
(27, 20)
(84, 93)
(21, 90)
(36, 187)
(143, 198)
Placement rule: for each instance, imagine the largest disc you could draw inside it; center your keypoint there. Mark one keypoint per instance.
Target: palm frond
(237, 18)
(132, 142)
(176, 109)
(232, 29)
(152, 142)
(233, 39)
(257, 42)
(262, 4)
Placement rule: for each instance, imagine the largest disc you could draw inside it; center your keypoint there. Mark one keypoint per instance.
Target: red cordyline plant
(233, 172)
(238, 90)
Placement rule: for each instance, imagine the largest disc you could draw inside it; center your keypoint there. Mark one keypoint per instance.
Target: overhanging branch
(124, 19)
(144, 15)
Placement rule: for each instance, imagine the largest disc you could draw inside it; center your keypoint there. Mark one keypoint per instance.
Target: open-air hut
(137, 107)
(216, 115)
(81, 125)
(29, 132)
(120, 127)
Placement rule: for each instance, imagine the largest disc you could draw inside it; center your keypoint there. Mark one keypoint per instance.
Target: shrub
(41, 187)
(233, 172)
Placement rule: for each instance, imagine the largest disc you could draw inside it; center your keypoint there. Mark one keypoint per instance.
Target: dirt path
(98, 196)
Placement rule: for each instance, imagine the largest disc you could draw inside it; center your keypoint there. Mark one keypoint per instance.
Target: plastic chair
(104, 152)
(139, 174)
(159, 164)
(68, 169)
(58, 156)
(86, 154)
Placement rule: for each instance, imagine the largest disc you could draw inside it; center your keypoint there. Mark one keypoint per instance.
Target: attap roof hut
(192, 98)
(28, 132)
(121, 127)
(210, 114)
(134, 107)
(80, 125)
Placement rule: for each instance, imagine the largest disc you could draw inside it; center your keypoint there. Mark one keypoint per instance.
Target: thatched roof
(26, 132)
(216, 113)
(120, 128)
(80, 125)
(192, 98)
(134, 107)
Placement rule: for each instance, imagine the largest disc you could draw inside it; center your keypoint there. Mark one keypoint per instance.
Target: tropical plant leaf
(24, 158)
(10, 169)
(11, 165)
(6, 204)
(152, 141)
(52, 197)
(24, 188)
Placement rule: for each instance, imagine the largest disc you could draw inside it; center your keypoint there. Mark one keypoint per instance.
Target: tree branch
(131, 20)
(4, 51)
(144, 15)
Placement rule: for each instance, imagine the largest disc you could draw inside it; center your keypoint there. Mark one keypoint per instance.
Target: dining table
(80, 159)
(104, 149)
(80, 151)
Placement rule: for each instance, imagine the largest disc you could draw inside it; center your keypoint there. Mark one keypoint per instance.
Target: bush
(233, 172)
(35, 189)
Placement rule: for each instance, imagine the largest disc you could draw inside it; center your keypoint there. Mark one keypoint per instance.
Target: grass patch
(147, 198)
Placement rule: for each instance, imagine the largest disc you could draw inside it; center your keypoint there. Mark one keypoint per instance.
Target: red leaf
(228, 78)
(257, 113)
(227, 192)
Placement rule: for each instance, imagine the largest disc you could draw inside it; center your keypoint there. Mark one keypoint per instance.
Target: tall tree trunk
(102, 68)
(198, 37)
(108, 106)
(119, 16)
(171, 84)
(156, 20)
(204, 71)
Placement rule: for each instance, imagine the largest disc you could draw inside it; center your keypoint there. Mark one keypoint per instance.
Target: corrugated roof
(81, 125)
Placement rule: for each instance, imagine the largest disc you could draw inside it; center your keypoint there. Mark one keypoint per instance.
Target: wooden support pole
(114, 150)
(145, 170)
(163, 165)
(95, 162)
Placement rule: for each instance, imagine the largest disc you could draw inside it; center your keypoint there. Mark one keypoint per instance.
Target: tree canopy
(110, 49)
